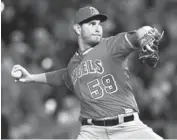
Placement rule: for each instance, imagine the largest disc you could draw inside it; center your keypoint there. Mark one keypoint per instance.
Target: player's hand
(21, 74)
(148, 38)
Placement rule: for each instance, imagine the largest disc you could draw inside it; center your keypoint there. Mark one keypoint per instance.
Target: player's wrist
(133, 39)
(32, 78)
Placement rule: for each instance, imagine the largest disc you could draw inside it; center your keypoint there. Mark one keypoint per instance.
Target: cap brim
(100, 17)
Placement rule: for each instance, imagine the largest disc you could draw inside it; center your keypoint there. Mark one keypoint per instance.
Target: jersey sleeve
(59, 77)
(122, 44)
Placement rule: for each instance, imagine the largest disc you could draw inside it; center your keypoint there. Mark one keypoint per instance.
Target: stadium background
(37, 34)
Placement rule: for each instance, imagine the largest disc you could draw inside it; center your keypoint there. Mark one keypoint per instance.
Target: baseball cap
(88, 13)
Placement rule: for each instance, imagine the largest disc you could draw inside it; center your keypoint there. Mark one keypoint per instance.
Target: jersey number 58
(107, 84)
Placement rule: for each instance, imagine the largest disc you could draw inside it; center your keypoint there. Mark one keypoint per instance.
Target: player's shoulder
(113, 36)
(74, 61)
(111, 40)
(104, 40)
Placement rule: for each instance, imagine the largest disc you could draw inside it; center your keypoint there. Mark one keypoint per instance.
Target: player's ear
(77, 29)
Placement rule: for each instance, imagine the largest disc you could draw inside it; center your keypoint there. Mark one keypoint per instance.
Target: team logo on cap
(94, 11)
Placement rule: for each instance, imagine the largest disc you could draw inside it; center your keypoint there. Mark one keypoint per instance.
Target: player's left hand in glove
(150, 58)
(149, 39)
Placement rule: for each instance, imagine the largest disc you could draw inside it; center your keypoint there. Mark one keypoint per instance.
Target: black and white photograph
(89, 69)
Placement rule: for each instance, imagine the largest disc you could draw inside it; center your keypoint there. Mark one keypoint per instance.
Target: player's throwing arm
(53, 78)
(22, 75)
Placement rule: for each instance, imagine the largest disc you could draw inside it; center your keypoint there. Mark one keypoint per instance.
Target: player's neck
(83, 46)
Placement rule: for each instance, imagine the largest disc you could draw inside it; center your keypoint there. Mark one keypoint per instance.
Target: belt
(107, 122)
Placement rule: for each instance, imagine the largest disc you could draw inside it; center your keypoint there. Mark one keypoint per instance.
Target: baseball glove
(149, 39)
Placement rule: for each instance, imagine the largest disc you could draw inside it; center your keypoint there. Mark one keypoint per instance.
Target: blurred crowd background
(38, 35)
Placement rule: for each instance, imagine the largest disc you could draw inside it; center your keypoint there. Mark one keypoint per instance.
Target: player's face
(91, 32)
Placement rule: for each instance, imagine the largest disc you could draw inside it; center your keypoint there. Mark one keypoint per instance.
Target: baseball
(17, 74)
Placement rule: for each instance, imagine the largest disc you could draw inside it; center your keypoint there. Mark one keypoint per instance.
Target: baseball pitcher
(99, 76)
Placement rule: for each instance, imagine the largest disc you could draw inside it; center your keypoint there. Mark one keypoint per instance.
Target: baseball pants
(135, 129)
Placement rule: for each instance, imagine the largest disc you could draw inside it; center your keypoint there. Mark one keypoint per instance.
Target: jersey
(101, 78)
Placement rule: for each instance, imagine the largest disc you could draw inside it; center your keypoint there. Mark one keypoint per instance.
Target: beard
(94, 42)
